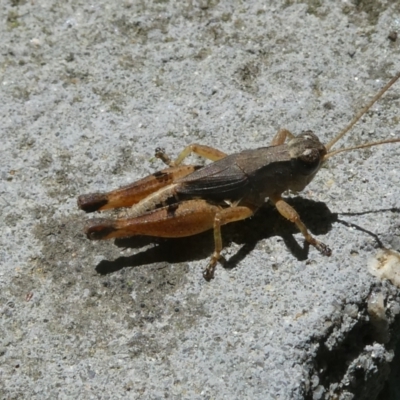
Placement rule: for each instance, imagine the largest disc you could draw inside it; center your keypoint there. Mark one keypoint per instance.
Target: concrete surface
(88, 90)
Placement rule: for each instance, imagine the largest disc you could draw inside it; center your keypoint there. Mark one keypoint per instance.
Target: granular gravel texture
(88, 91)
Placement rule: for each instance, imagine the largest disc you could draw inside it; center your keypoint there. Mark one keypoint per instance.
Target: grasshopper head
(307, 154)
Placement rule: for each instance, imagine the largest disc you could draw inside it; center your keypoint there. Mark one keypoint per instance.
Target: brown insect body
(231, 188)
(258, 173)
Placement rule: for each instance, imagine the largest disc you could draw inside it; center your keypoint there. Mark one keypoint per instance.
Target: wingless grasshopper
(184, 200)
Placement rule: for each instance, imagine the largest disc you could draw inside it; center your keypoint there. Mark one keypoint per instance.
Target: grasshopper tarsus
(208, 273)
(160, 154)
(185, 200)
(323, 249)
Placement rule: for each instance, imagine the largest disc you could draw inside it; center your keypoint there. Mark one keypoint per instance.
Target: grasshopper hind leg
(182, 219)
(127, 196)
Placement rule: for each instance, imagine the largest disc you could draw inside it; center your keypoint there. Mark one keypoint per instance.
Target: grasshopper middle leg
(223, 217)
(204, 151)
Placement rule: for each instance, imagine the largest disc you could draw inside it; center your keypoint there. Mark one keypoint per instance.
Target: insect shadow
(266, 224)
(378, 242)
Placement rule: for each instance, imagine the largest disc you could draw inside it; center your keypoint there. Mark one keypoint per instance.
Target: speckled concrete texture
(88, 91)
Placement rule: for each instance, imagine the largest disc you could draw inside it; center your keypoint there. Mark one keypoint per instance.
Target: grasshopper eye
(310, 156)
(308, 161)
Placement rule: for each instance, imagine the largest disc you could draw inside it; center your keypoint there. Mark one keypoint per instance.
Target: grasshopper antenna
(356, 119)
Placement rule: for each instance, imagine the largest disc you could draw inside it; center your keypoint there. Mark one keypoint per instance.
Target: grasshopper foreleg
(281, 136)
(291, 214)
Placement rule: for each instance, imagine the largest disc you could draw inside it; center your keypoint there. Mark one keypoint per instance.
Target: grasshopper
(184, 200)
